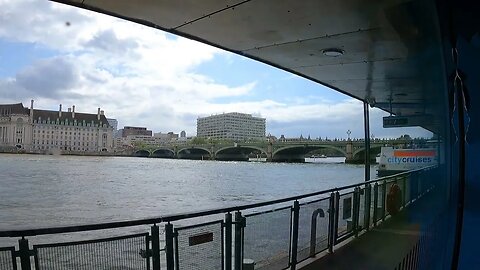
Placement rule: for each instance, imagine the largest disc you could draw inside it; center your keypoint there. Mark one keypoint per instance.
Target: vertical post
(147, 250)
(368, 206)
(356, 212)
(228, 241)
(313, 233)
(384, 196)
(337, 215)
(169, 246)
(239, 224)
(331, 222)
(155, 247)
(375, 204)
(366, 123)
(24, 254)
(404, 192)
(296, 210)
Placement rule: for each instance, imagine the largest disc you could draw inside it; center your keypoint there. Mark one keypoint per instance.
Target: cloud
(49, 77)
(108, 41)
(44, 22)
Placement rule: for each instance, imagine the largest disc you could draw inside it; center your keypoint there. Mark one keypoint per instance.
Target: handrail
(187, 215)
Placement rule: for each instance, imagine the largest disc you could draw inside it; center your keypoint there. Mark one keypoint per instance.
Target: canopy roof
(390, 50)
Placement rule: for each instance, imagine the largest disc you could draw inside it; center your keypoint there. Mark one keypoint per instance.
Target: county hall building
(42, 131)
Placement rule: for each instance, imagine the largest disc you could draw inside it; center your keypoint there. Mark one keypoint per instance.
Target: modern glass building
(231, 126)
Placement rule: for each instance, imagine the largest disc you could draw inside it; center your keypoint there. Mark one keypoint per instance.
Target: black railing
(292, 230)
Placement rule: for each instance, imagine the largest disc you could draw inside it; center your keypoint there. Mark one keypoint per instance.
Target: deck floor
(382, 247)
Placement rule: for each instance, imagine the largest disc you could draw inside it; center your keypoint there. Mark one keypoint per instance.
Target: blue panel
(469, 61)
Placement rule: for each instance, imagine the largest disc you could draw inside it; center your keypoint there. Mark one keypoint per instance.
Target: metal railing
(290, 231)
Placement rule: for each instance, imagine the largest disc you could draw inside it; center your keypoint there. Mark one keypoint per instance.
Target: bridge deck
(383, 247)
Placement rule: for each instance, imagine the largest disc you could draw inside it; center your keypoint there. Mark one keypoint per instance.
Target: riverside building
(44, 131)
(233, 126)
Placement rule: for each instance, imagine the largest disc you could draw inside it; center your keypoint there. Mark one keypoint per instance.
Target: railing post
(375, 204)
(331, 222)
(313, 230)
(24, 254)
(155, 236)
(356, 212)
(238, 250)
(169, 235)
(368, 206)
(384, 195)
(337, 214)
(228, 241)
(296, 210)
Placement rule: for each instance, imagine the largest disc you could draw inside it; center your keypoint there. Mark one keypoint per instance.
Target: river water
(41, 191)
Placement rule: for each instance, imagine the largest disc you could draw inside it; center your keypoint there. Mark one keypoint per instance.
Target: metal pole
(384, 197)
(228, 241)
(296, 210)
(331, 222)
(356, 212)
(169, 246)
(239, 223)
(337, 215)
(155, 247)
(368, 206)
(375, 204)
(24, 254)
(366, 123)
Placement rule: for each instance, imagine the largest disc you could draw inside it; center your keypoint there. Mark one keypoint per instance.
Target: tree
(198, 140)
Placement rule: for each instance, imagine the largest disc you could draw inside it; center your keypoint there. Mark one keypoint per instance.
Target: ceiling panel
(358, 46)
(165, 13)
(268, 22)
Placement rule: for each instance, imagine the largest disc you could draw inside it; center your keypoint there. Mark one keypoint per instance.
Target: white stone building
(234, 126)
(44, 131)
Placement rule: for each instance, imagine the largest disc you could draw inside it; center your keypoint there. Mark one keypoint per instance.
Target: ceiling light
(333, 52)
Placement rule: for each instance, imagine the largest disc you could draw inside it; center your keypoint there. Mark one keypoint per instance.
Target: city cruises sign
(407, 159)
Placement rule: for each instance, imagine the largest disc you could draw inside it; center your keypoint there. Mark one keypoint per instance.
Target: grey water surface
(42, 191)
(38, 191)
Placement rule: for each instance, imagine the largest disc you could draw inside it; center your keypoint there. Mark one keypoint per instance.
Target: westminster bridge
(296, 151)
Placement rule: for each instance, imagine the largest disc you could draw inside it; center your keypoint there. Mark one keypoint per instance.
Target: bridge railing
(276, 234)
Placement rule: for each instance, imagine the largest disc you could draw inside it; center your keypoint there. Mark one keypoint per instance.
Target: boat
(318, 156)
(393, 161)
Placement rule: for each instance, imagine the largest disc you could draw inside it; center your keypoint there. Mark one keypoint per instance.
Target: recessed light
(333, 52)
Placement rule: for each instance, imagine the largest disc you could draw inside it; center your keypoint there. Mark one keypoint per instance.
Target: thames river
(41, 191)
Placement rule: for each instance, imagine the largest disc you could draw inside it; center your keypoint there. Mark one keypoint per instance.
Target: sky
(56, 54)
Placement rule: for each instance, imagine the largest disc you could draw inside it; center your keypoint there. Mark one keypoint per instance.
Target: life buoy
(394, 200)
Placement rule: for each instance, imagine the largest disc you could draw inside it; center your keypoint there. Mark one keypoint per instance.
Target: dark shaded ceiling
(392, 56)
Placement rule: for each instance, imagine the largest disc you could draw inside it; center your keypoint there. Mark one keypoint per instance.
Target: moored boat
(394, 161)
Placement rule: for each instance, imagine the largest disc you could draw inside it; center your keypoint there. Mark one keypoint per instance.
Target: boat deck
(382, 247)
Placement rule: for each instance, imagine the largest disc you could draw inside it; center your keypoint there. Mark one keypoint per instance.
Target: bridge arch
(194, 152)
(377, 149)
(241, 147)
(296, 153)
(163, 153)
(141, 153)
(310, 148)
(238, 153)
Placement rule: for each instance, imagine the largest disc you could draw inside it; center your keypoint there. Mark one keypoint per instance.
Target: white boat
(394, 161)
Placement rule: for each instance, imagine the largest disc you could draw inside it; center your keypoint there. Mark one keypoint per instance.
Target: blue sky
(142, 76)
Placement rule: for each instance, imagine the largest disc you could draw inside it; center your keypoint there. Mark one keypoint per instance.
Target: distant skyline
(141, 76)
